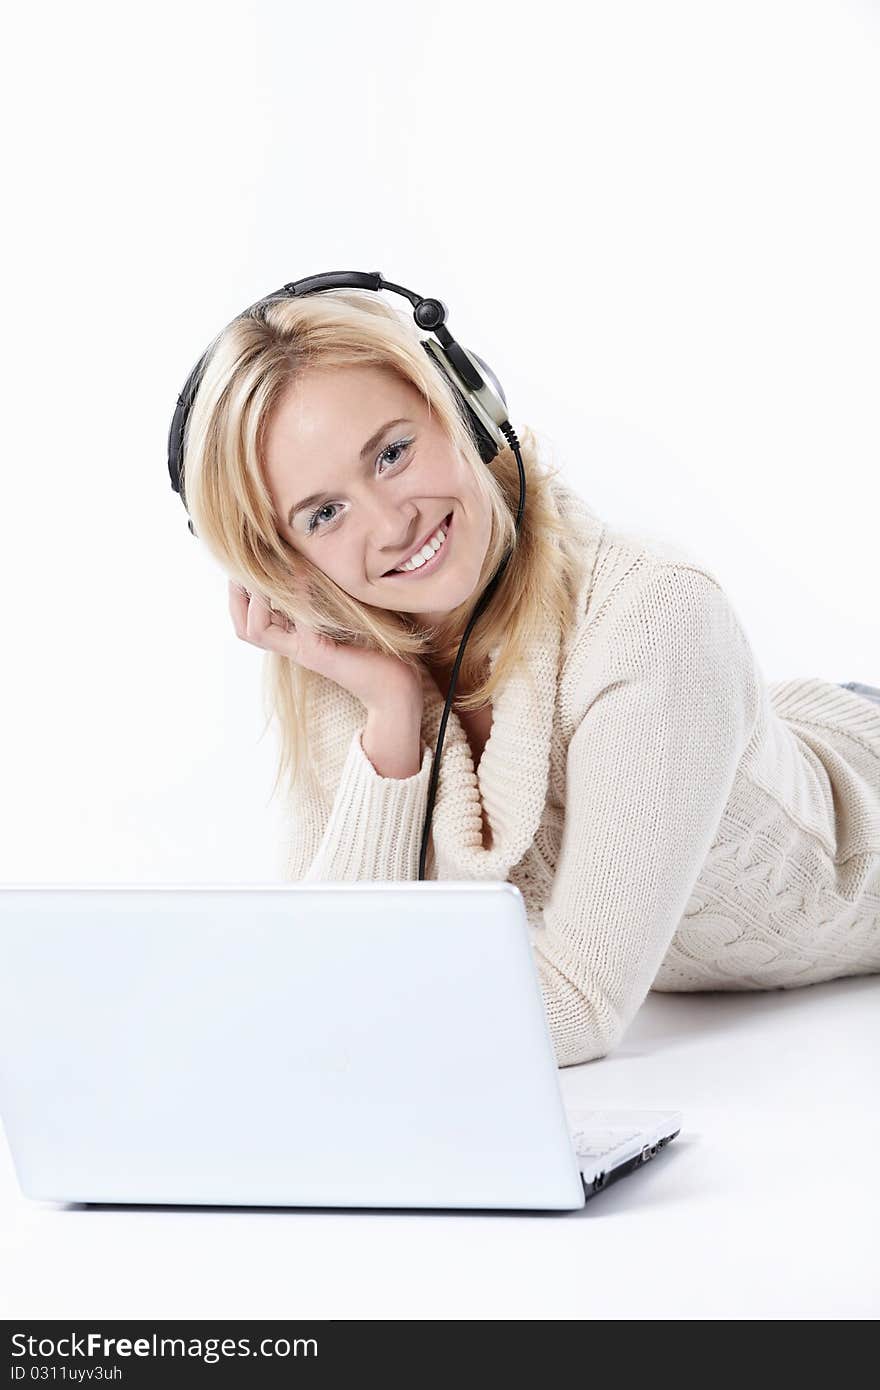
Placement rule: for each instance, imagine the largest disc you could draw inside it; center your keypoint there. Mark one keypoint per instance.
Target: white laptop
(287, 1044)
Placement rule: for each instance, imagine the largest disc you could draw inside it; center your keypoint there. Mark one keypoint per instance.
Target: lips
(444, 521)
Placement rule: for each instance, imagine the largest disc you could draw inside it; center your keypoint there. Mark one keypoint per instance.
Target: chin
(443, 608)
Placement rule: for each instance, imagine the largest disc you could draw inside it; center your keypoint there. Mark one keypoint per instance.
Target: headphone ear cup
(486, 446)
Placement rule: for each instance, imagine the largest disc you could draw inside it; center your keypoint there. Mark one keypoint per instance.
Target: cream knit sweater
(672, 822)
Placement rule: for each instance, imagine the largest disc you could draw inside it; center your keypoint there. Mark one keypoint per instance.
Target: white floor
(765, 1206)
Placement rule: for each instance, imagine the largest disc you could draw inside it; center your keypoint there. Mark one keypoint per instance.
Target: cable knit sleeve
(374, 829)
(663, 706)
(349, 823)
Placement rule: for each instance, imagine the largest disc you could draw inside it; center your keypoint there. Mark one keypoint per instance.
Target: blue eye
(400, 444)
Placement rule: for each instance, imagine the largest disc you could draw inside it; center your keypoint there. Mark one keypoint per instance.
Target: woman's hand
(372, 677)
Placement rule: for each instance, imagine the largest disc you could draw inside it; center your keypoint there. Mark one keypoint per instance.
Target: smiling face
(360, 478)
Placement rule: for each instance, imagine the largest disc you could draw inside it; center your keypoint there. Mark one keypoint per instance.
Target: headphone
(475, 387)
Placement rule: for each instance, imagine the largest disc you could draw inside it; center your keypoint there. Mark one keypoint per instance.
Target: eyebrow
(368, 448)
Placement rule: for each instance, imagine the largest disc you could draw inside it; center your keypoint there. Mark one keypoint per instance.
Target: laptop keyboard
(596, 1143)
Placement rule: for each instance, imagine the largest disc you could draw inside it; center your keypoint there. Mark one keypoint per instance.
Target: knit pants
(870, 692)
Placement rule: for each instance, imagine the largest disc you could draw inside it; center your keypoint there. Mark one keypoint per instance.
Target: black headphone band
(474, 384)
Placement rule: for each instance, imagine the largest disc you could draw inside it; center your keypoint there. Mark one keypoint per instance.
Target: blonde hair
(251, 363)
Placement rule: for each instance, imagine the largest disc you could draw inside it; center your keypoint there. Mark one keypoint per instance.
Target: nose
(391, 531)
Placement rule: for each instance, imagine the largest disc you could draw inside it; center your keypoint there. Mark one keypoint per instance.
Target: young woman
(672, 821)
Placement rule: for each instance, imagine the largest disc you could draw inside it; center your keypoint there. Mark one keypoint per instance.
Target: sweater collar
(511, 780)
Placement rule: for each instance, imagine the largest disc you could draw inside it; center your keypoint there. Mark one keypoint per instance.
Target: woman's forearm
(392, 738)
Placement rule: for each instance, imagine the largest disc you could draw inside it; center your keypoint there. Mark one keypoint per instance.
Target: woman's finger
(238, 608)
(254, 620)
(258, 618)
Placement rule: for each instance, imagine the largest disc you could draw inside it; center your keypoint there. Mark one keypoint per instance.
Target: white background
(657, 222)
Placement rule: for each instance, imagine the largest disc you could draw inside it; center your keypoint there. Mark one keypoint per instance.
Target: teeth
(428, 549)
